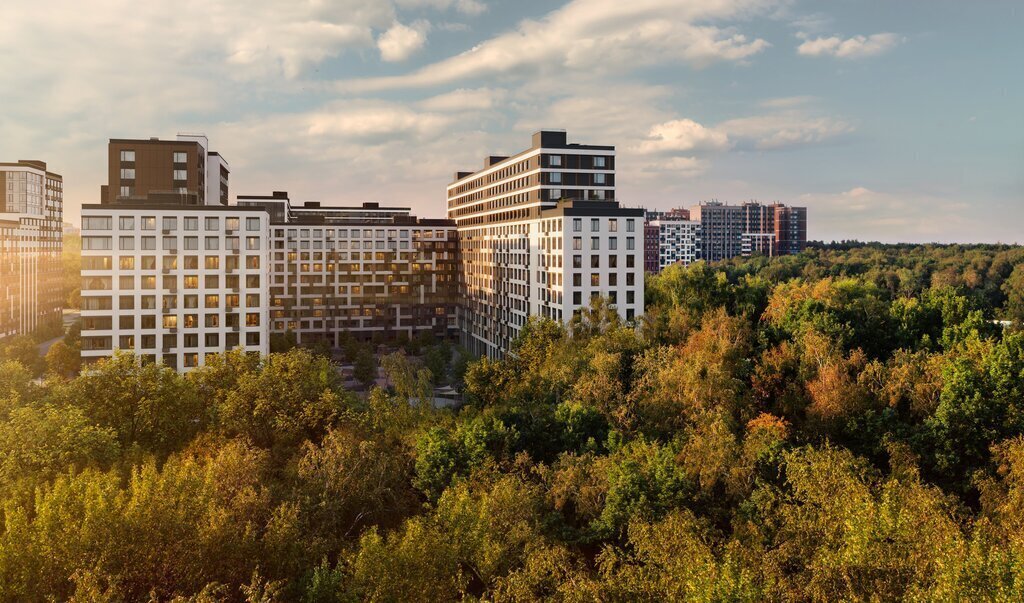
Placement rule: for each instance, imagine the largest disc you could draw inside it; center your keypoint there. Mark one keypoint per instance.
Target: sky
(890, 121)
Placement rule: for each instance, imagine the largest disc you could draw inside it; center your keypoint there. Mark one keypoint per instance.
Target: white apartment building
(678, 241)
(174, 283)
(520, 253)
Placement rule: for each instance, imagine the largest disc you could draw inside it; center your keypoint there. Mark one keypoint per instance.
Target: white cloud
(400, 42)
(850, 48)
(867, 214)
(783, 130)
(683, 136)
(466, 7)
(463, 99)
(375, 121)
(595, 36)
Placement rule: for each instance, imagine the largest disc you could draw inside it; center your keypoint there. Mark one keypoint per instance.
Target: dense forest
(846, 424)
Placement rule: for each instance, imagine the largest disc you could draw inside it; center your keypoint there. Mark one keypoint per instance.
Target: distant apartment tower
(183, 171)
(652, 246)
(790, 229)
(31, 243)
(728, 231)
(366, 271)
(678, 241)
(722, 228)
(539, 235)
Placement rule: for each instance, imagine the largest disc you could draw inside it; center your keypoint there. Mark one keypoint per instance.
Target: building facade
(31, 243)
(174, 284)
(679, 241)
(366, 271)
(173, 172)
(539, 235)
(729, 231)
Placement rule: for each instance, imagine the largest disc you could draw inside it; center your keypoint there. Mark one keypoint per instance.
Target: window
(252, 319)
(595, 261)
(613, 279)
(211, 281)
(630, 297)
(212, 262)
(170, 223)
(630, 261)
(190, 301)
(170, 282)
(126, 191)
(577, 243)
(577, 297)
(148, 282)
(191, 262)
(555, 178)
(127, 173)
(148, 243)
(180, 157)
(97, 262)
(599, 162)
(125, 262)
(127, 155)
(212, 301)
(577, 224)
(96, 223)
(630, 225)
(595, 243)
(191, 243)
(595, 225)
(212, 320)
(555, 194)
(598, 178)
(630, 243)
(125, 282)
(126, 302)
(170, 243)
(252, 261)
(230, 223)
(180, 175)
(212, 243)
(149, 223)
(252, 224)
(252, 243)
(613, 261)
(126, 243)
(630, 279)
(577, 279)
(613, 225)
(577, 261)
(212, 223)
(126, 322)
(191, 223)
(555, 160)
(92, 243)
(148, 262)
(170, 322)
(613, 243)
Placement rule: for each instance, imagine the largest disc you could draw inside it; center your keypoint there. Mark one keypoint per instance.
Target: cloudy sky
(892, 121)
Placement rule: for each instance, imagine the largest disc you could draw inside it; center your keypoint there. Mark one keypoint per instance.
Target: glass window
(170, 223)
(577, 224)
(126, 243)
(595, 243)
(252, 224)
(180, 175)
(595, 224)
(212, 223)
(212, 243)
(128, 173)
(148, 243)
(127, 155)
(599, 162)
(96, 223)
(180, 157)
(598, 178)
(192, 223)
(555, 178)
(149, 223)
(556, 160)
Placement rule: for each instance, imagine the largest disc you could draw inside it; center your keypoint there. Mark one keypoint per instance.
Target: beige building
(31, 242)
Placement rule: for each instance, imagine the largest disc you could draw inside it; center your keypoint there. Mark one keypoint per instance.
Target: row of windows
(168, 223)
(595, 243)
(170, 262)
(169, 243)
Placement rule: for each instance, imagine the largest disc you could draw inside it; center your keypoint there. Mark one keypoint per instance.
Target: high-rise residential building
(366, 270)
(31, 242)
(539, 235)
(728, 231)
(183, 171)
(678, 241)
(722, 228)
(652, 246)
(790, 229)
(174, 283)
